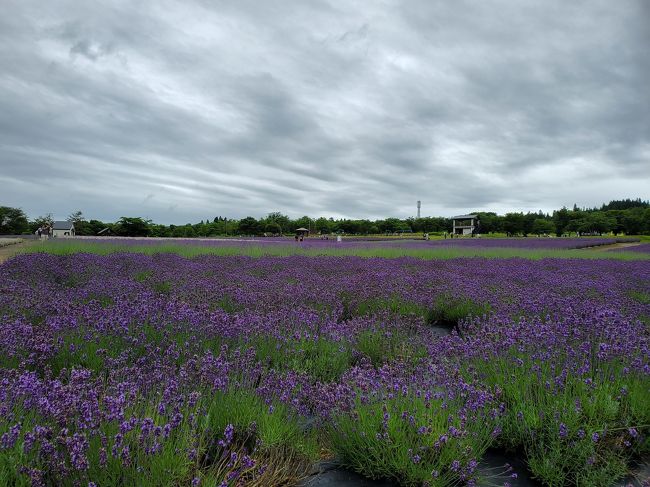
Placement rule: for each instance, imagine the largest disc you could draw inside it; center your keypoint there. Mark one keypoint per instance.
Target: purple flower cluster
(108, 361)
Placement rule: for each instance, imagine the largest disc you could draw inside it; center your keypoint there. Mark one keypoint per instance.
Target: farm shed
(465, 224)
(63, 229)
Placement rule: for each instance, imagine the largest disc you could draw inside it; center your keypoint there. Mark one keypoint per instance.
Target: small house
(63, 229)
(465, 224)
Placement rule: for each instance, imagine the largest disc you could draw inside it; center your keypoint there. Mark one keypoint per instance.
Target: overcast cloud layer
(181, 111)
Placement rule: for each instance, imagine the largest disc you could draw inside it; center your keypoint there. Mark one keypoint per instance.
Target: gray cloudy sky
(180, 111)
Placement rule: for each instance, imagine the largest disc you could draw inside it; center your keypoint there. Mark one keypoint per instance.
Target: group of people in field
(44, 232)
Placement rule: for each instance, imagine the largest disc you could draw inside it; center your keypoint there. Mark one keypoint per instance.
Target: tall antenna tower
(419, 208)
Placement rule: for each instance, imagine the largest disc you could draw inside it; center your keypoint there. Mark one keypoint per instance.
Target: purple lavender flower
(8, 439)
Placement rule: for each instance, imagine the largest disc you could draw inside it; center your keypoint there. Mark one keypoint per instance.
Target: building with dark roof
(63, 229)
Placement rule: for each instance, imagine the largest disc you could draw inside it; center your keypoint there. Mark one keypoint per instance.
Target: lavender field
(137, 368)
(529, 248)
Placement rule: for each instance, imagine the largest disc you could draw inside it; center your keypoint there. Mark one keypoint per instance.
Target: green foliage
(273, 228)
(228, 304)
(542, 227)
(249, 226)
(275, 426)
(382, 347)
(400, 439)
(142, 276)
(573, 430)
(162, 287)
(629, 216)
(13, 221)
(269, 434)
(323, 359)
(640, 297)
(85, 351)
(449, 310)
(133, 227)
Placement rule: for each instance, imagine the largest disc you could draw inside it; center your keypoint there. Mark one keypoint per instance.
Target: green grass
(322, 359)
(266, 433)
(72, 247)
(574, 431)
(403, 438)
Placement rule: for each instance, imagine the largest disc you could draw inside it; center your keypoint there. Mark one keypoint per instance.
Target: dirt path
(8, 251)
(620, 245)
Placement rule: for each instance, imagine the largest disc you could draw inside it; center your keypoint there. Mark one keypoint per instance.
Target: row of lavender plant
(643, 248)
(352, 242)
(131, 369)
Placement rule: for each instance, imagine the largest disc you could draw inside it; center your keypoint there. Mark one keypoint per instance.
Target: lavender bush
(142, 369)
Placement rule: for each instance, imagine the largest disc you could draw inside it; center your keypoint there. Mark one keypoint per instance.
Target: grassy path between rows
(69, 247)
(9, 250)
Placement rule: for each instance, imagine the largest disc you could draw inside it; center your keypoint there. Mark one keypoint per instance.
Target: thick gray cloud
(180, 111)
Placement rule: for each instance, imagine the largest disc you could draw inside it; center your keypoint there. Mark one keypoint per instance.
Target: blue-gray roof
(463, 217)
(63, 225)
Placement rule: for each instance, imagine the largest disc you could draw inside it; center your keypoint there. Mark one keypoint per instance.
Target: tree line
(630, 217)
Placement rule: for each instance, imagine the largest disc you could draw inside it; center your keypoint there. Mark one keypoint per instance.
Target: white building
(465, 224)
(63, 229)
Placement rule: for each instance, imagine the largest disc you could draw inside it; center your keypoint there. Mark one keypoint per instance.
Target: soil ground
(620, 245)
(9, 249)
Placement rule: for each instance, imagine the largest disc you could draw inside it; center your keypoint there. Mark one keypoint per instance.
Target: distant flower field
(225, 370)
(530, 248)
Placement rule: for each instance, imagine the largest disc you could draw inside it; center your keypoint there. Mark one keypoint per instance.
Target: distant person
(39, 232)
(296, 237)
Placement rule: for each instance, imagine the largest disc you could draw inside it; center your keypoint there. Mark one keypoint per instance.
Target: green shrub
(411, 440)
(449, 310)
(387, 346)
(323, 359)
(577, 430)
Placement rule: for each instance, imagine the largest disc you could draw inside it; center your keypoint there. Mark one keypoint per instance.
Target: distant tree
(13, 221)
(273, 228)
(513, 223)
(93, 227)
(626, 204)
(527, 222)
(542, 226)
(322, 225)
(389, 225)
(44, 220)
(633, 221)
(302, 222)
(280, 219)
(490, 222)
(350, 227)
(561, 219)
(249, 226)
(158, 230)
(76, 217)
(646, 221)
(599, 222)
(133, 227)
